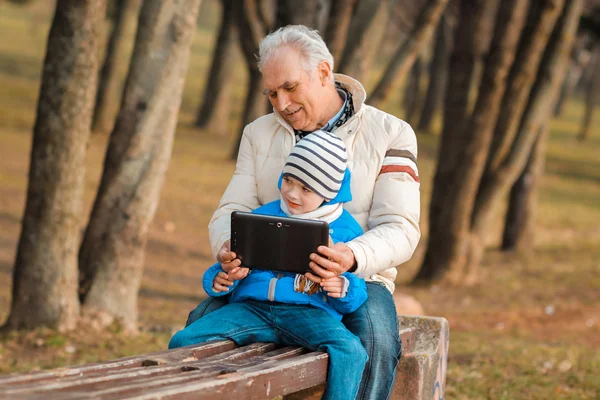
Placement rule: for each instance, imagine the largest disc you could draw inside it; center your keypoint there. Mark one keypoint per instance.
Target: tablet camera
(279, 224)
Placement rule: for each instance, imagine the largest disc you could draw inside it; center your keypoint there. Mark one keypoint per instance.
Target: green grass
(505, 344)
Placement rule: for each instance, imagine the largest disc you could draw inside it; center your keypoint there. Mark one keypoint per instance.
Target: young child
(287, 308)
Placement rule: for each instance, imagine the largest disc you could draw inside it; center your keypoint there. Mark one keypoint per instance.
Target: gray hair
(307, 41)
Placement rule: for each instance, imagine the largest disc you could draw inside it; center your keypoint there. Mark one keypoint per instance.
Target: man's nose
(282, 102)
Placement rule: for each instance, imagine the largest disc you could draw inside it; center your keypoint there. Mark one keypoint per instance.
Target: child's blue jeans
(286, 324)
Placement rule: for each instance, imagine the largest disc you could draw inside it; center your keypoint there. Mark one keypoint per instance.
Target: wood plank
(197, 351)
(262, 381)
(114, 377)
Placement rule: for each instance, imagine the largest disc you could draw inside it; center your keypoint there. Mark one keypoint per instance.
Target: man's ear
(324, 70)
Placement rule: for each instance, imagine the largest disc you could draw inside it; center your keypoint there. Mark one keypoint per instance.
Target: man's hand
(230, 263)
(330, 262)
(333, 286)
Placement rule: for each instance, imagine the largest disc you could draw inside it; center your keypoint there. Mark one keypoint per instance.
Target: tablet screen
(276, 243)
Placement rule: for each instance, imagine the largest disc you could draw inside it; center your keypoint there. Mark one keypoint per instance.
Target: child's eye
(286, 179)
(307, 190)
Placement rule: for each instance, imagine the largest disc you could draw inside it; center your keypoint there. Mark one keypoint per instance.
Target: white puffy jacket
(382, 151)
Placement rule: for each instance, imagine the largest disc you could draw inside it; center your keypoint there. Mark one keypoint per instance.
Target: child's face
(298, 198)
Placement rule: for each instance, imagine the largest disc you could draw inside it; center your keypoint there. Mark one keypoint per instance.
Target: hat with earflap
(318, 161)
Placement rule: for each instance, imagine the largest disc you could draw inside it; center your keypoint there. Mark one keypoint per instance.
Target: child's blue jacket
(259, 283)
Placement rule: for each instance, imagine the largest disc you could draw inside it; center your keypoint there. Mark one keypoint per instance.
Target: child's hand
(334, 286)
(221, 282)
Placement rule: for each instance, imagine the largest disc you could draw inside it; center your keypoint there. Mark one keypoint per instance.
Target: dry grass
(528, 330)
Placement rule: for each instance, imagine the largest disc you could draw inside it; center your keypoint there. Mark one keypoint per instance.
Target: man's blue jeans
(376, 325)
(286, 324)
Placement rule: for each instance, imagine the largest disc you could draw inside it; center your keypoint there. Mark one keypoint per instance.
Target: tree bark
(519, 226)
(336, 32)
(109, 82)
(111, 257)
(364, 12)
(591, 96)
(45, 273)
(250, 34)
(497, 182)
(455, 184)
(541, 21)
(438, 75)
(406, 54)
(293, 12)
(220, 68)
(412, 92)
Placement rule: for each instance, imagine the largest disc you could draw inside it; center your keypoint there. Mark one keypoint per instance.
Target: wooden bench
(221, 370)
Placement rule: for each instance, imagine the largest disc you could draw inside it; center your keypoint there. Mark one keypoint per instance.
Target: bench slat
(112, 377)
(268, 379)
(198, 351)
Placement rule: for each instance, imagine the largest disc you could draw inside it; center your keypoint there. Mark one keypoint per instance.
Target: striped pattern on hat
(319, 162)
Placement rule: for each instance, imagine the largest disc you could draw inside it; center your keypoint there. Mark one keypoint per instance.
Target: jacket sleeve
(393, 224)
(240, 195)
(208, 279)
(356, 296)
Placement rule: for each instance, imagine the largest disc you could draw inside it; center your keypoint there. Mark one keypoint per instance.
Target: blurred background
(119, 125)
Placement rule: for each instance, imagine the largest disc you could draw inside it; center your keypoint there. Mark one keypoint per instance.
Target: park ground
(530, 329)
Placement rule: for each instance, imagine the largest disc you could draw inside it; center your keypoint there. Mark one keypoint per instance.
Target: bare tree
(519, 226)
(412, 91)
(406, 54)
(466, 137)
(438, 74)
(220, 69)
(592, 95)
(336, 32)
(108, 85)
(364, 12)
(502, 171)
(45, 273)
(111, 257)
(251, 30)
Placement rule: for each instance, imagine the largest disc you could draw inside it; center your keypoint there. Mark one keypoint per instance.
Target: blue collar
(331, 123)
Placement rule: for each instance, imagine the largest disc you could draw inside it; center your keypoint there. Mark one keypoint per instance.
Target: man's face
(298, 96)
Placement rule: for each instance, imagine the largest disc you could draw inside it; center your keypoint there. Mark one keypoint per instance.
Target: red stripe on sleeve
(400, 168)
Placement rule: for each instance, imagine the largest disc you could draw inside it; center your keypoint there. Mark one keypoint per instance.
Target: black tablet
(276, 243)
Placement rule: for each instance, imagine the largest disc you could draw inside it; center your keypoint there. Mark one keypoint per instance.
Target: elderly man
(306, 95)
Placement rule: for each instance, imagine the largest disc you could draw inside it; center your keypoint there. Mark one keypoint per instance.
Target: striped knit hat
(319, 162)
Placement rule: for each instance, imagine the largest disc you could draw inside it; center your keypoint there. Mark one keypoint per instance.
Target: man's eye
(291, 88)
(273, 95)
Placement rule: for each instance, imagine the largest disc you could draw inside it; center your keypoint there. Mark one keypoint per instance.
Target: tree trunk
(108, 85)
(541, 21)
(293, 12)
(111, 257)
(364, 12)
(360, 65)
(336, 32)
(497, 182)
(412, 91)
(45, 272)
(591, 96)
(455, 184)
(250, 35)
(220, 68)
(438, 75)
(406, 54)
(519, 226)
